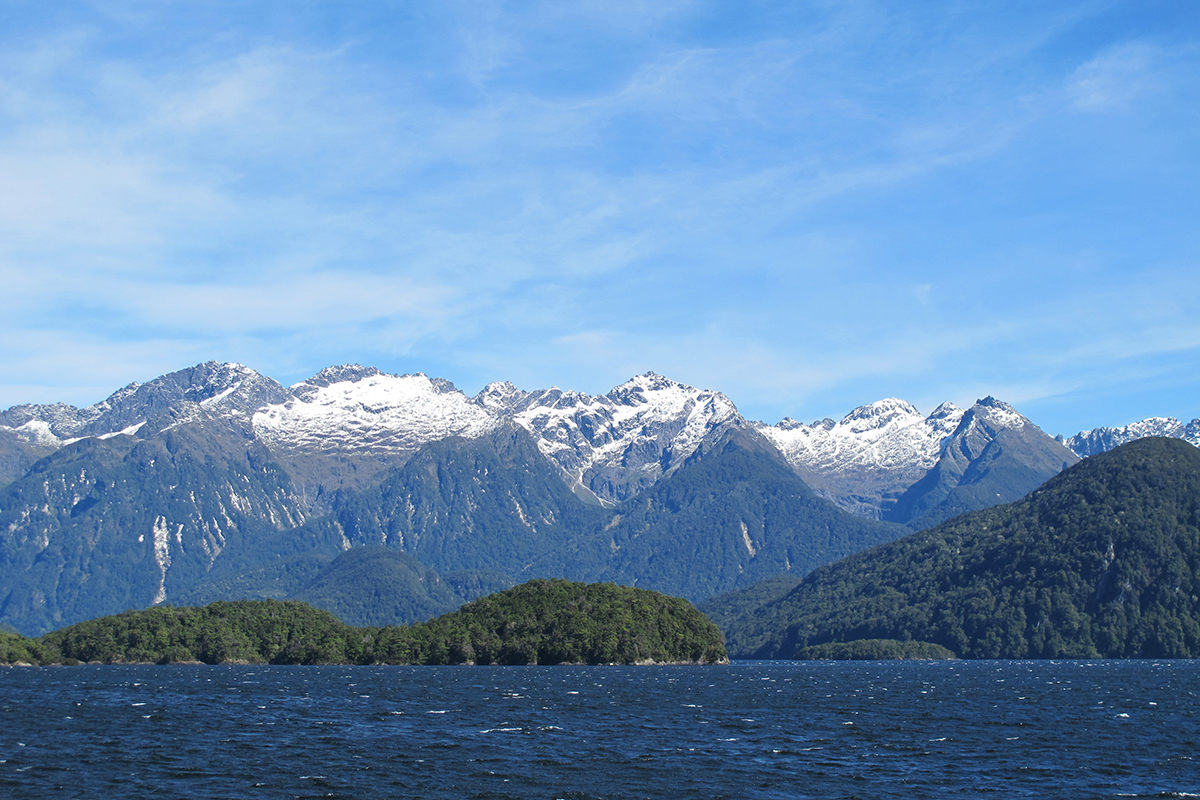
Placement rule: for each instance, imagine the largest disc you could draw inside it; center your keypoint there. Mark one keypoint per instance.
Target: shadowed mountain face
(376, 586)
(732, 513)
(119, 523)
(993, 456)
(487, 503)
(1102, 561)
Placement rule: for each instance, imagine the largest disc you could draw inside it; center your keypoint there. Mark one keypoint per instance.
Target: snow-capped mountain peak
(500, 396)
(364, 410)
(879, 419)
(882, 434)
(876, 450)
(945, 411)
(638, 388)
(339, 373)
(169, 400)
(1000, 413)
(618, 443)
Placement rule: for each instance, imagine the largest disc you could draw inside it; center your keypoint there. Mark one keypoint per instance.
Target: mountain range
(217, 478)
(1101, 440)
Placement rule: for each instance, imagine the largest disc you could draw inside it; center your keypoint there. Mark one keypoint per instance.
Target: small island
(539, 622)
(874, 650)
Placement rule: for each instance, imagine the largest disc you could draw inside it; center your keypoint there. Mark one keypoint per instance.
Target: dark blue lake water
(751, 730)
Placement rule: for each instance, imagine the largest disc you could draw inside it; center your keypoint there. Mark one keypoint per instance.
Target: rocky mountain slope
(123, 522)
(168, 518)
(229, 393)
(340, 429)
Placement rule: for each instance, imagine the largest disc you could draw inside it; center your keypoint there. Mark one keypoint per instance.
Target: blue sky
(806, 206)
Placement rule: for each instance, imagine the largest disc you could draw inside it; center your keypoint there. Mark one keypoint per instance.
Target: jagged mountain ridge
(875, 451)
(1101, 440)
(614, 445)
(209, 391)
(887, 461)
(341, 428)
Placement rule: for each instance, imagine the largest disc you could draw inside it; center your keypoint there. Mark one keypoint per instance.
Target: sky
(807, 206)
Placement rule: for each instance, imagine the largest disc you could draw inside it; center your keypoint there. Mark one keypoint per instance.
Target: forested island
(539, 622)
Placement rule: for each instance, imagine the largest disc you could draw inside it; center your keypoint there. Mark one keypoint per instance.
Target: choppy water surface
(754, 729)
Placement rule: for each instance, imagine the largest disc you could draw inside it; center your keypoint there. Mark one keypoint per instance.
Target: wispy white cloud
(570, 194)
(1116, 79)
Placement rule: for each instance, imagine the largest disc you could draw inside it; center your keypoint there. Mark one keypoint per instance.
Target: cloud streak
(806, 208)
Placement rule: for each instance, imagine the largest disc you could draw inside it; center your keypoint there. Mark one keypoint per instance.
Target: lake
(1071, 729)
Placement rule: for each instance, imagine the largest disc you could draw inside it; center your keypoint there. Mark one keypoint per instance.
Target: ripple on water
(757, 730)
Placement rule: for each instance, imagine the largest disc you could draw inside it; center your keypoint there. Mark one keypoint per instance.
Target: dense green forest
(726, 609)
(1102, 561)
(873, 650)
(539, 622)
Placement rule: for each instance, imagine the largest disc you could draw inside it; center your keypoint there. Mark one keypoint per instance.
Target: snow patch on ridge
(618, 443)
(38, 432)
(1100, 440)
(355, 409)
(1001, 414)
(162, 555)
(887, 434)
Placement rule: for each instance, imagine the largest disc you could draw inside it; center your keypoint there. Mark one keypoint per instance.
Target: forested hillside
(1102, 561)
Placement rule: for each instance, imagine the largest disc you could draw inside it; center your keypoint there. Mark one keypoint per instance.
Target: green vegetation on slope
(379, 586)
(725, 609)
(89, 526)
(1102, 561)
(363, 586)
(244, 631)
(556, 622)
(540, 622)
